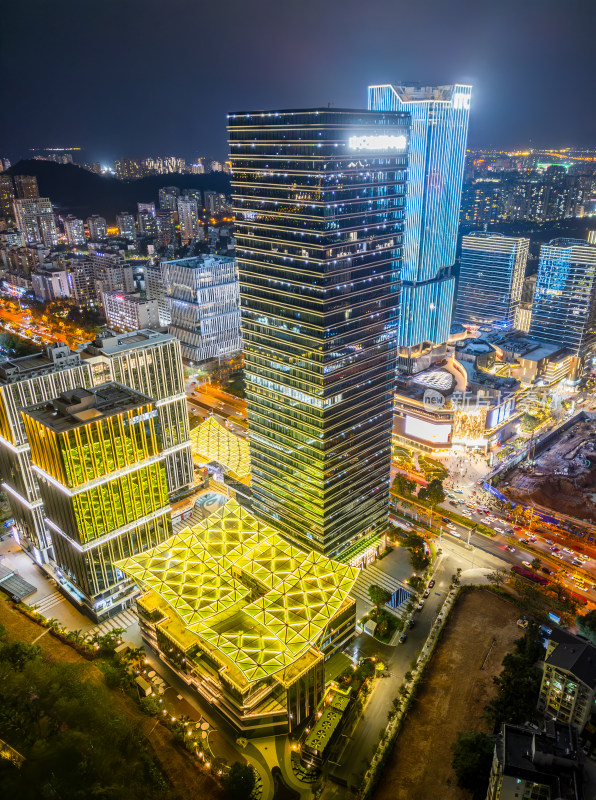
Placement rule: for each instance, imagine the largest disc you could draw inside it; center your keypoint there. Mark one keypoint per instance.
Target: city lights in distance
(381, 142)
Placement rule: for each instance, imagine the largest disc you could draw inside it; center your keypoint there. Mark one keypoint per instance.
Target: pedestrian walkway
(122, 620)
(47, 603)
(373, 574)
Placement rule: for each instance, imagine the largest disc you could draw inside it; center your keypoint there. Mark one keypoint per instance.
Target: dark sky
(141, 77)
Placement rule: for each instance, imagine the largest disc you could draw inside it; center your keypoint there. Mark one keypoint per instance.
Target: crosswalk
(122, 620)
(373, 574)
(47, 603)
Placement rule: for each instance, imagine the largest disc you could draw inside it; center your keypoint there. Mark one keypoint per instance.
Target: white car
(455, 533)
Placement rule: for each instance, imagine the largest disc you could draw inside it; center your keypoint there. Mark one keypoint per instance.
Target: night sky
(157, 77)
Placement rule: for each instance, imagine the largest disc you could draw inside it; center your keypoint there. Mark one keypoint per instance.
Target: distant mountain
(74, 190)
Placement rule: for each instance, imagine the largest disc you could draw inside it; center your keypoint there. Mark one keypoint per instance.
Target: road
(358, 747)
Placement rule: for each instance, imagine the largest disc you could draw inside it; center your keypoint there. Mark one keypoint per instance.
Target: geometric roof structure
(236, 584)
(212, 442)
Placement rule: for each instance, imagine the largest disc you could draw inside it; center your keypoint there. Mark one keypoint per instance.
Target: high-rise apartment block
(126, 225)
(111, 272)
(35, 219)
(7, 195)
(75, 231)
(165, 231)
(204, 305)
(564, 307)
(128, 311)
(98, 229)
(155, 290)
(50, 284)
(436, 154)
(97, 454)
(168, 196)
(188, 217)
(26, 186)
(491, 278)
(81, 280)
(319, 198)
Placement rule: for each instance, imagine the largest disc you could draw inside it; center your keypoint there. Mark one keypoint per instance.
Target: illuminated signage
(461, 100)
(427, 431)
(380, 142)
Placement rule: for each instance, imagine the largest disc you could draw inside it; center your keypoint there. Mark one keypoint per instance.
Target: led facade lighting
(249, 617)
(98, 454)
(564, 307)
(436, 155)
(319, 234)
(491, 278)
(212, 442)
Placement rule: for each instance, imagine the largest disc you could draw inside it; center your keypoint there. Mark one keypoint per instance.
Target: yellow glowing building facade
(248, 618)
(98, 456)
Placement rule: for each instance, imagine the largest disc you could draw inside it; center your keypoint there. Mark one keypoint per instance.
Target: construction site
(562, 476)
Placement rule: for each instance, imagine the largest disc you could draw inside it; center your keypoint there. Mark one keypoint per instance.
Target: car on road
(411, 623)
(511, 549)
(517, 528)
(455, 533)
(403, 638)
(532, 539)
(431, 583)
(420, 606)
(527, 564)
(453, 502)
(546, 570)
(426, 592)
(523, 541)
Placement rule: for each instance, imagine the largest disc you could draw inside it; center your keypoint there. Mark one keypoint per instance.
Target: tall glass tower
(436, 155)
(564, 307)
(319, 205)
(491, 278)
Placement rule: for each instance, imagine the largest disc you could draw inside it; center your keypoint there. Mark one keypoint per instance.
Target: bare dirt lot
(187, 781)
(455, 689)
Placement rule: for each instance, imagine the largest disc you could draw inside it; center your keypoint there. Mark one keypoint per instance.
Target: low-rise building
(247, 618)
(531, 765)
(128, 311)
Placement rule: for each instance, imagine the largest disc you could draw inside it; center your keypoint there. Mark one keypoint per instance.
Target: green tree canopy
(433, 493)
(587, 625)
(402, 485)
(472, 760)
(378, 595)
(239, 781)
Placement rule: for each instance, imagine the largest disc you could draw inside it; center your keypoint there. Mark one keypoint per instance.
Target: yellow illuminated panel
(212, 442)
(244, 591)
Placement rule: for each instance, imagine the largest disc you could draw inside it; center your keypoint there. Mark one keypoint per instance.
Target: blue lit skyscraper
(491, 277)
(564, 308)
(439, 128)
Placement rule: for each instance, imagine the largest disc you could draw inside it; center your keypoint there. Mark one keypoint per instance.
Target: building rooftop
(578, 658)
(55, 357)
(80, 406)
(549, 758)
(212, 442)
(110, 343)
(236, 585)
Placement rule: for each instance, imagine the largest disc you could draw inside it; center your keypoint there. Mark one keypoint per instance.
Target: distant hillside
(77, 191)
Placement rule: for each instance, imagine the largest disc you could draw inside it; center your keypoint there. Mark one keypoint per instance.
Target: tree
(433, 494)
(498, 577)
(239, 782)
(472, 760)
(378, 595)
(402, 485)
(536, 562)
(587, 625)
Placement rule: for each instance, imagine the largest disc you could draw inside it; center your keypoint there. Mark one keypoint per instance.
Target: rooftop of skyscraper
(81, 406)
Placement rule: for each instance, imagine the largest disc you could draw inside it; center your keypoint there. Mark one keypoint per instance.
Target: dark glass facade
(319, 206)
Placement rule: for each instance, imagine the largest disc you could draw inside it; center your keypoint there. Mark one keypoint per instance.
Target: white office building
(128, 311)
(204, 301)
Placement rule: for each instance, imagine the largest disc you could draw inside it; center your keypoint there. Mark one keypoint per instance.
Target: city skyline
(504, 52)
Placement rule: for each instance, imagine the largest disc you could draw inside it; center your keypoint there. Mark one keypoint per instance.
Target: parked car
(411, 623)
(426, 593)
(431, 583)
(420, 606)
(403, 638)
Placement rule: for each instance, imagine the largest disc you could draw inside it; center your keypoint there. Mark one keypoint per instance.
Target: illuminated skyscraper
(491, 278)
(98, 229)
(188, 217)
(564, 307)
(75, 231)
(319, 204)
(36, 221)
(26, 186)
(98, 457)
(126, 225)
(436, 154)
